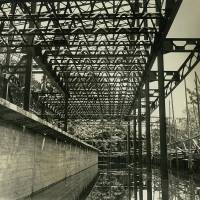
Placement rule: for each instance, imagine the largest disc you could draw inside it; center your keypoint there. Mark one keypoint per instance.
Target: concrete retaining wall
(30, 161)
(74, 187)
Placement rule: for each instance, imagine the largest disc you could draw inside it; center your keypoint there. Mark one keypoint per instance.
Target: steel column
(66, 113)
(28, 80)
(140, 130)
(148, 136)
(148, 140)
(162, 114)
(140, 148)
(5, 88)
(29, 66)
(198, 98)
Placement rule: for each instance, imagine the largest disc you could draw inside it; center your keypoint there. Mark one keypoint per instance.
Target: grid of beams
(96, 53)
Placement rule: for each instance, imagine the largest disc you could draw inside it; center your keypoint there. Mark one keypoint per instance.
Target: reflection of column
(165, 189)
(129, 184)
(141, 183)
(149, 185)
(163, 142)
(191, 188)
(128, 143)
(135, 136)
(135, 180)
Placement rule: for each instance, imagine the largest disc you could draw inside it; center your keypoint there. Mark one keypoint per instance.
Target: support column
(43, 91)
(128, 143)
(29, 66)
(140, 148)
(162, 114)
(198, 98)
(148, 140)
(163, 139)
(5, 89)
(8, 58)
(66, 113)
(148, 134)
(28, 80)
(140, 130)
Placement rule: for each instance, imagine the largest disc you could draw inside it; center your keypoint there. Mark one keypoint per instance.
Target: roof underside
(95, 52)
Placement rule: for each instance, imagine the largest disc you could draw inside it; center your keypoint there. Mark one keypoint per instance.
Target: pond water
(123, 183)
(136, 184)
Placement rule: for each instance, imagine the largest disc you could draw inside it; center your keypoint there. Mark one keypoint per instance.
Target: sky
(185, 25)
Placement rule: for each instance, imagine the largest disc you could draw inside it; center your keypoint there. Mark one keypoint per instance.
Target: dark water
(129, 183)
(137, 184)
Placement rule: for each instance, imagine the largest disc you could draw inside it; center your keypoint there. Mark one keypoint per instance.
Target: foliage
(105, 135)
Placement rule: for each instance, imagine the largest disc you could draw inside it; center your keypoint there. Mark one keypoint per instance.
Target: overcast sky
(186, 25)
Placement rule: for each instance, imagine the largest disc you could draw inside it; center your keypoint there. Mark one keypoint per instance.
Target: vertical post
(162, 114)
(188, 129)
(8, 57)
(149, 186)
(28, 78)
(140, 147)
(145, 3)
(43, 91)
(163, 139)
(140, 130)
(28, 73)
(148, 140)
(129, 184)
(5, 89)
(128, 143)
(148, 137)
(66, 113)
(198, 98)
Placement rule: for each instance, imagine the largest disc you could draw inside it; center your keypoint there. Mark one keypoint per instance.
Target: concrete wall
(30, 161)
(72, 188)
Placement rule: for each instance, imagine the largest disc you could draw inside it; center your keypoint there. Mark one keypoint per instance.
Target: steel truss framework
(97, 54)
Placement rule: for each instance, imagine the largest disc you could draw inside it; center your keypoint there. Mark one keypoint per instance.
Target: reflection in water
(130, 183)
(136, 184)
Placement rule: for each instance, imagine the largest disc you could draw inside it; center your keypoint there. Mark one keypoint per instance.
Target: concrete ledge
(18, 116)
